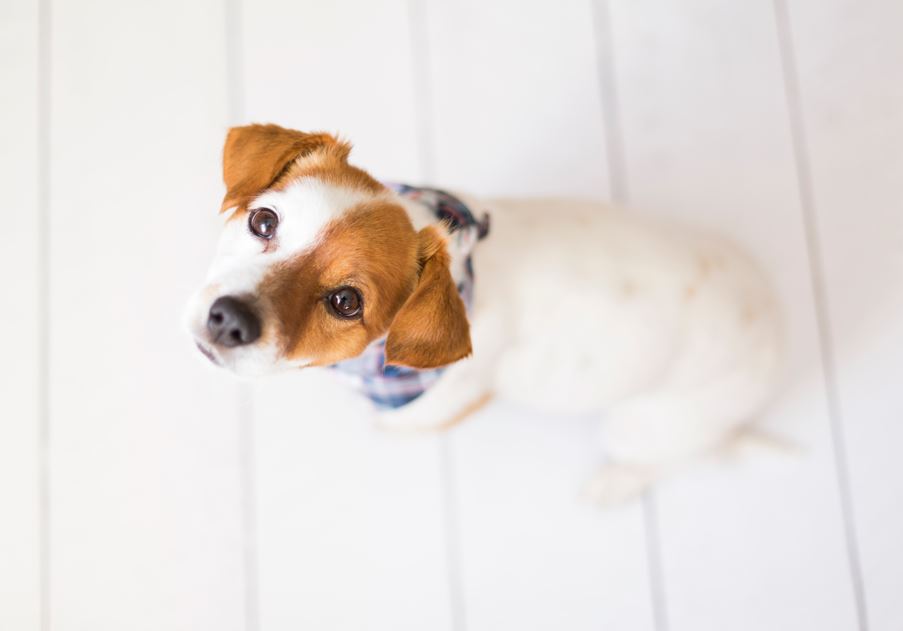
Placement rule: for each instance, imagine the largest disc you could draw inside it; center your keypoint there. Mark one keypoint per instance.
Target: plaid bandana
(393, 386)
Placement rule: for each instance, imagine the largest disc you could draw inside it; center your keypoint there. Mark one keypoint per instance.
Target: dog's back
(602, 305)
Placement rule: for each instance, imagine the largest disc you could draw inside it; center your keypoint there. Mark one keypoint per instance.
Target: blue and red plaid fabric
(394, 386)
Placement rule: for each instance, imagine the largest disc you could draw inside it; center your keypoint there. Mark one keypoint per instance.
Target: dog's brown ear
(256, 155)
(431, 328)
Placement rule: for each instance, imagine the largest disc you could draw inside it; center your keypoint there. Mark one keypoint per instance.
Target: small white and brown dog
(570, 307)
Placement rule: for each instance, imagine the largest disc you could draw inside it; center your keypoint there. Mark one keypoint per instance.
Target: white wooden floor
(141, 491)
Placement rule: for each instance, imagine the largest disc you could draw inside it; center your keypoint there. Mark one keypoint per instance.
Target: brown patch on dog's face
(372, 248)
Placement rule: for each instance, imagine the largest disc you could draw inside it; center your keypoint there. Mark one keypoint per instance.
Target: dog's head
(317, 260)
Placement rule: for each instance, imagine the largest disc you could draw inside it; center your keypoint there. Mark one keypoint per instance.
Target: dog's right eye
(346, 302)
(263, 222)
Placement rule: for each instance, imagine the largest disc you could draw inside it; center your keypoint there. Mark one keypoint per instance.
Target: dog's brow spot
(708, 264)
(628, 288)
(749, 314)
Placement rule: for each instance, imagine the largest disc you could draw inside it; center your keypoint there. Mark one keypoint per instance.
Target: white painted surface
(532, 555)
(182, 501)
(350, 528)
(848, 55)
(515, 97)
(705, 134)
(343, 67)
(20, 273)
(145, 529)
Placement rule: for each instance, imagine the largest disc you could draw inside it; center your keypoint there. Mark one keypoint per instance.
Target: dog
(433, 303)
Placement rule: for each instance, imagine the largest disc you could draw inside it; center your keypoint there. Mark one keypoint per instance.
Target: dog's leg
(650, 436)
(455, 397)
(464, 388)
(643, 439)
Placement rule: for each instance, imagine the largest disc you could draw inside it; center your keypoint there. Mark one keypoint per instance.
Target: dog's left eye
(263, 222)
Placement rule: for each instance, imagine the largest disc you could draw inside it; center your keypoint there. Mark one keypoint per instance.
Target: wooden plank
(345, 515)
(532, 555)
(516, 105)
(848, 56)
(313, 68)
(20, 304)
(516, 98)
(146, 528)
(705, 129)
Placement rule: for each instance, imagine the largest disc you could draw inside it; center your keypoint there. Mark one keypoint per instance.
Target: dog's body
(671, 336)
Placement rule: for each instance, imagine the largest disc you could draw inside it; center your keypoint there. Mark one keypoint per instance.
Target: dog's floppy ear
(431, 328)
(256, 155)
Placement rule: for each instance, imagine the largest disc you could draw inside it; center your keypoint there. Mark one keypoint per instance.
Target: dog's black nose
(232, 323)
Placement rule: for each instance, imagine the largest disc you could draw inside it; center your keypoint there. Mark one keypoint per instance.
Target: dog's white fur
(673, 337)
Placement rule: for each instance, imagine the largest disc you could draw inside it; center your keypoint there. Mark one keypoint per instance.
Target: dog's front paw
(615, 484)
